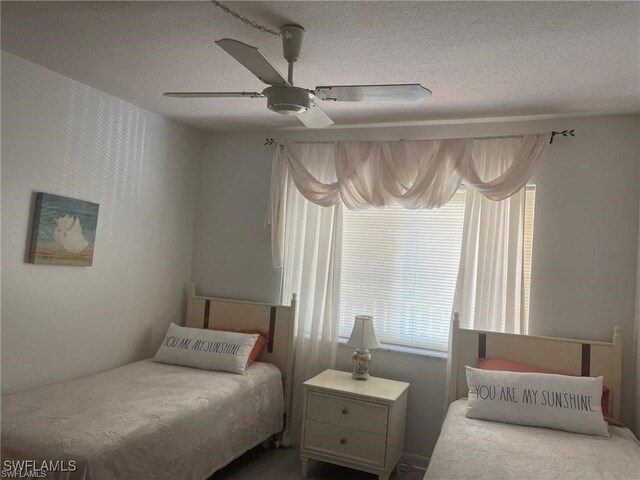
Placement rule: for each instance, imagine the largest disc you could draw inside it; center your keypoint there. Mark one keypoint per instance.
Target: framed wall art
(64, 231)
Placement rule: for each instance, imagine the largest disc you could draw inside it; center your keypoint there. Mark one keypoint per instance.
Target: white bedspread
(145, 420)
(483, 450)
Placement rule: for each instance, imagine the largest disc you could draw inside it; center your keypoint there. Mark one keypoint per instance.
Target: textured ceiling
(480, 59)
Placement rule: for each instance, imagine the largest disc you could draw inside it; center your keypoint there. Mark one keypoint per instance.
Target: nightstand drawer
(366, 416)
(345, 442)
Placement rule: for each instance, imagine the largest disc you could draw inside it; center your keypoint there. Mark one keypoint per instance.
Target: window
(401, 266)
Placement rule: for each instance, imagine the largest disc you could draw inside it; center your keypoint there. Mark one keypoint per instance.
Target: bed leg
(383, 476)
(271, 442)
(305, 466)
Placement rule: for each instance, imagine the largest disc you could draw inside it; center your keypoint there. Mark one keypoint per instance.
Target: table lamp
(363, 337)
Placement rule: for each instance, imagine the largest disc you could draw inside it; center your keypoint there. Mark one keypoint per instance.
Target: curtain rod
(564, 133)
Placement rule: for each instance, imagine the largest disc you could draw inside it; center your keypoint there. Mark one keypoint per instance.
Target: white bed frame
(278, 320)
(569, 356)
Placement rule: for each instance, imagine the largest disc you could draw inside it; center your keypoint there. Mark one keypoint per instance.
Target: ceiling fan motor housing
(289, 100)
(292, 41)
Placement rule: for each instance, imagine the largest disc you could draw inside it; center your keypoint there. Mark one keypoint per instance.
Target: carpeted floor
(284, 464)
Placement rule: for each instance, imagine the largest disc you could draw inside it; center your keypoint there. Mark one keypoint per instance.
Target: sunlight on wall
(106, 141)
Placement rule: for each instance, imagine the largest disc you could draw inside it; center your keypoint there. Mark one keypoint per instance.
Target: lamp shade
(363, 336)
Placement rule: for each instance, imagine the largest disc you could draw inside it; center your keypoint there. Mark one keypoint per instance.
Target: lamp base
(361, 361)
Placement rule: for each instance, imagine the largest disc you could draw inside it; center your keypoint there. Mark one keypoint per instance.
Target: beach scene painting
(64, 231)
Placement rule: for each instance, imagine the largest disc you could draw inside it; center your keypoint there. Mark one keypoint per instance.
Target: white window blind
(401, 267)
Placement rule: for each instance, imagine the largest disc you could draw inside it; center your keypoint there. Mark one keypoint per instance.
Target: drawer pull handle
(343, 441)
(345, 411)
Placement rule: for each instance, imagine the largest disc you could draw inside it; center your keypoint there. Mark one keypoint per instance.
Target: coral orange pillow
(509, 366)
(261, 342)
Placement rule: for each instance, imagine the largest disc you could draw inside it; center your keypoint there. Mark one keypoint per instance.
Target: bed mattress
(479, 449)
(145, 420)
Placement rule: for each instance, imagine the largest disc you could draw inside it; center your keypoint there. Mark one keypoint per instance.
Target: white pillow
(206, 349)
(537, 399)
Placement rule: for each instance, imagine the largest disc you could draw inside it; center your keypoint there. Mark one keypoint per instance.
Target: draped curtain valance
(413, 174)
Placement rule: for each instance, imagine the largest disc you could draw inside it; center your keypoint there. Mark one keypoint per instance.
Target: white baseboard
(416, 461)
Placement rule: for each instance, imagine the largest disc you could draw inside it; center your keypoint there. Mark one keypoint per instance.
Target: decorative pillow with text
(510, 366)
(560, 402)
(206, 349)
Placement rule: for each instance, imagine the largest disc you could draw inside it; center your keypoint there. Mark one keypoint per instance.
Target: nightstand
(354, 423)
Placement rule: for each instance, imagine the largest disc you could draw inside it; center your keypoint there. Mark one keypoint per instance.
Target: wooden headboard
(278, 320)
(568, 356)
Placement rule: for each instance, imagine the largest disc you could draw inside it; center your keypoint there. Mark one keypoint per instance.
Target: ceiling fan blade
(315, 118)
(213, 94)
(410, 93)
(254, 61)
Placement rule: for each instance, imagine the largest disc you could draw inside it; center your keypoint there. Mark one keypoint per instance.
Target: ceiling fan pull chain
(251, 23)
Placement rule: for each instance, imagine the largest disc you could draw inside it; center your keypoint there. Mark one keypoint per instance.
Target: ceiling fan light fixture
(286, 109)
(289, 100)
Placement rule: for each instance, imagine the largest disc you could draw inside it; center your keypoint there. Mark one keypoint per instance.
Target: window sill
(388, 347)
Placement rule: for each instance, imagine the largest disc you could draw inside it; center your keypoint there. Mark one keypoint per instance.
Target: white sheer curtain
(310, 182)
(311, 268)
(489, 290)
(413, 174)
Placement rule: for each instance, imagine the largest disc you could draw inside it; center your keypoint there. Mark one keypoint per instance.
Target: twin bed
(151, 420)
(479, 449)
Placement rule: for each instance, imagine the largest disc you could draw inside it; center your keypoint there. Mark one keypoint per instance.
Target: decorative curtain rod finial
(564, 133)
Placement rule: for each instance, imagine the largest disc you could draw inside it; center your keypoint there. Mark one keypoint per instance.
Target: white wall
(636, 399)
(232, 253)
(62, 137)
(585, 240)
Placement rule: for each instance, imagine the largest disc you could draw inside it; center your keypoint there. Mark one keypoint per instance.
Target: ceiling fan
(285, 98)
